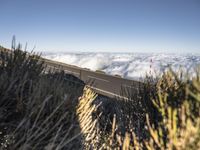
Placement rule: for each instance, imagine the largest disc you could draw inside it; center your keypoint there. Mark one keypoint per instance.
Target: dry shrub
(177, 101)
(88, 118)
(37, 110)
(170, 117)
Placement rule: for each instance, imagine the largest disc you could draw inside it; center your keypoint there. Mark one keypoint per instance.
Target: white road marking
(72, 72)
(98, 79)
(132, 87)
(109, 93)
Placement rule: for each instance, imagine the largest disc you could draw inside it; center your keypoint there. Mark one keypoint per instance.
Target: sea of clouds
(128, 65)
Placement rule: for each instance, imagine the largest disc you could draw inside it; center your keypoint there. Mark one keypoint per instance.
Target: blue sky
(102, 25)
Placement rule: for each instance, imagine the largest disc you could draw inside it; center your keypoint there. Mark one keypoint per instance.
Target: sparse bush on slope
(170, 118)
(37, 110)
(177, 102)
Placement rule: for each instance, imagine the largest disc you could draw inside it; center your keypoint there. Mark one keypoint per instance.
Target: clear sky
(102, 25)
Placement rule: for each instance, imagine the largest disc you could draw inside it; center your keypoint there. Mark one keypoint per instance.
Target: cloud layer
(127, 65)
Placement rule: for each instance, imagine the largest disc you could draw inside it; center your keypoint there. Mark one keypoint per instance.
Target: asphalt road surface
(100, 82)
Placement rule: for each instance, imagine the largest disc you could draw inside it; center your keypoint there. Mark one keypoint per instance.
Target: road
(107, 85)
(102, 83)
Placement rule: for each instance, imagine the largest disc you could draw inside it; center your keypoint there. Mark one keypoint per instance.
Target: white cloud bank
(127, 65)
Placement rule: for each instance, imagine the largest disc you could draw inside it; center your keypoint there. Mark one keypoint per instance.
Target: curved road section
(107, 85)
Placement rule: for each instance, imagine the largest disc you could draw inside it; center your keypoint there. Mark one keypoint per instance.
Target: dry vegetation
(37, 110)
(54, 110)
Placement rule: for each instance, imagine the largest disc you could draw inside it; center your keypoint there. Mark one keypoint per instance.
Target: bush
(37, 109)
(170, 118)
